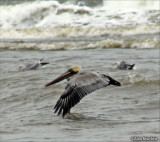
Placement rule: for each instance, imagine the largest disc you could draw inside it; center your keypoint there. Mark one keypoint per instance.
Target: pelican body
(80, 83)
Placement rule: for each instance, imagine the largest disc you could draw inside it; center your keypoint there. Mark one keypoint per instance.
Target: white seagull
(32, 66)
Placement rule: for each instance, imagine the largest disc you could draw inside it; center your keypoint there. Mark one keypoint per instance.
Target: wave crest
(138, 79)
(76, 44)
(52, 13)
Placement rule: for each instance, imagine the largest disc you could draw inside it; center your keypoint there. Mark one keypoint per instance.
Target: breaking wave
(52, 13)
(67, 26)
(73, 44)
(138, 79)
(69, 31)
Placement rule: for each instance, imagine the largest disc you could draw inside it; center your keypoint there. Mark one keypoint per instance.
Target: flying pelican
(32, 66)
(81, 84)
(124, 66)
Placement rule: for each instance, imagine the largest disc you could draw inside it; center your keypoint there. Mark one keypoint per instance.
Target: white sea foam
(113, 21)
(51, 13)
(69, 31)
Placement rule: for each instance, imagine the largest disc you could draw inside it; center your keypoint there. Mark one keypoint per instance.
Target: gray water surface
(109, 114)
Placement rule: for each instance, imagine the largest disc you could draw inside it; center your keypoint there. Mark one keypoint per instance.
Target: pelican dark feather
(81, 84)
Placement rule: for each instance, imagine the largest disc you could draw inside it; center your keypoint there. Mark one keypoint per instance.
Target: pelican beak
(63, 76)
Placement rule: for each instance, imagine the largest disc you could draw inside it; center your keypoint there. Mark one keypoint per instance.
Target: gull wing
(34, 66)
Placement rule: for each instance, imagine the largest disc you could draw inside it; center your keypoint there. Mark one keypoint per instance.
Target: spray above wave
(51, 13)
(39, 14)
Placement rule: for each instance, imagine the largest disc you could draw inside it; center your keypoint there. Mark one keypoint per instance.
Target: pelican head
(72, 71)
(76, 68)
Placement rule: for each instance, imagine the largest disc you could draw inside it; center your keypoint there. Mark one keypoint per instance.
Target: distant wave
(133, 25)
(52, 13)
(39, 14)
(41, 44)
(69, 31)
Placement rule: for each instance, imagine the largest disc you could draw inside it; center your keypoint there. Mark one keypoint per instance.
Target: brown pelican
(32, 66)
(81, 84)
(124, 66)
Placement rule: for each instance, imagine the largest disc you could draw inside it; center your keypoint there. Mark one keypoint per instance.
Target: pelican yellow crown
(75, 68)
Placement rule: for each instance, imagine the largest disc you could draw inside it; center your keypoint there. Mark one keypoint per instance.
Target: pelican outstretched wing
(79, 86)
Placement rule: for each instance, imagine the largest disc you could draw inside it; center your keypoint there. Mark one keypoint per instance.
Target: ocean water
(94, 35)
(130, 110)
